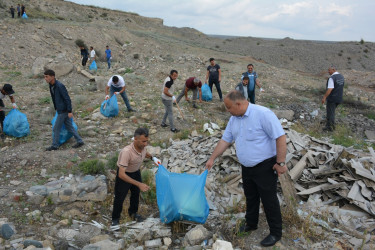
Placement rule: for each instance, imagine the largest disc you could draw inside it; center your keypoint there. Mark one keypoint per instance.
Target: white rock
(222, 245)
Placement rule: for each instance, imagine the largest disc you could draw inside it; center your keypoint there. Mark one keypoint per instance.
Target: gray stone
(153, 243)
(287, 114)
(101, 83)
(197, 235)
(39, 66)
(39, 190)
(102, 245)
(370, 134)
(6, 231)
(34, 243)
(61, 68)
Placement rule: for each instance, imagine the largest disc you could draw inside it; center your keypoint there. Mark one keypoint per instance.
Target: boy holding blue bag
(7, 89)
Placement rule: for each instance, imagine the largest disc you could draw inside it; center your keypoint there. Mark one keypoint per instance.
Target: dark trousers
(113, 89)
(331, 108)
(84, 60)
(121, 190)
(217, 85)
(260, 183)
(2, 115)
(63, 119)
(251, 95)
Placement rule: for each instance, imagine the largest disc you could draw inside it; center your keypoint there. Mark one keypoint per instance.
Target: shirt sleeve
(169, 84)
(227, 136)
(121, 81)
(331, 85)
(123, 159)
(272, 125)
(65, 96)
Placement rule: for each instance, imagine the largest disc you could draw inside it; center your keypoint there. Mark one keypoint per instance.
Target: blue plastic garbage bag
(109, 108)
(181, 196)
(16, 124)
(206, 93)
(24, 15)
(93, 66)
(64, 134)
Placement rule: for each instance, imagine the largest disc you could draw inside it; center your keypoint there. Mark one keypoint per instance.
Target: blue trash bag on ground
(64, 134)
(93, 66)
(24, 15)
(206, 93)
(16, 124)
(181, 196)
(109, 108)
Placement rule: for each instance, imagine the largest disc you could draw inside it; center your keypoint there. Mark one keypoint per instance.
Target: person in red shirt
(194, 84)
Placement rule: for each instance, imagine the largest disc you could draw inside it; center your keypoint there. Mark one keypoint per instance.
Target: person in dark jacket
(63, 106)
(12, 11)
(84, 55)
(333, 96)
(243, 87)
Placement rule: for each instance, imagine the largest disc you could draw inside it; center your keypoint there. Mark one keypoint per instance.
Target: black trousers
(2, 115)
(331, 108)
(217, 85)
(260, 183)
(121, 190)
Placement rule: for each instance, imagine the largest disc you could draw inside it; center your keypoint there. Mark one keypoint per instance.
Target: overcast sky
(333, 20)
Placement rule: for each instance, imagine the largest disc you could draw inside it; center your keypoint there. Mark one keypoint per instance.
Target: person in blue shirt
(261, 150)
(108, 54)
(253, 79)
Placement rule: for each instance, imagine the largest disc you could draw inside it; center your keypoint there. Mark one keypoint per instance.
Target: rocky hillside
(293, 74)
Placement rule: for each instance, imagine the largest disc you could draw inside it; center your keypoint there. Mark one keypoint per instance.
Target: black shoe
(78, 144)
(270, 240)
(137, 217)
(175, 130)
(132, 110)
(245, 228)
(51, 148)
(164, 125)
(174, 103)
(2, 135)
(115, 223)
(195, 106)
(221, 99)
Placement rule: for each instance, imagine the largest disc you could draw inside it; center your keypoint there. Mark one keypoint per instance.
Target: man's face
(212, 62)
(232, 107)
(250, 68)
(140, 141)
(245, 82)
(49, 79)
(174, 76)
(331, 71)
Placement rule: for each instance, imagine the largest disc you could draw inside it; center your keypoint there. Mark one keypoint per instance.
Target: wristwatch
(281, 164)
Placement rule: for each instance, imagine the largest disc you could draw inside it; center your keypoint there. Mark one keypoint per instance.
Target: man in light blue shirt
(261, 150)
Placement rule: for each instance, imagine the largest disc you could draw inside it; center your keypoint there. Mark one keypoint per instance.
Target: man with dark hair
(261, 149)
(333, 96)
(84, 55)
(116, 85)
(194, 84)
(214, 77)
(253, 79)
(18, 10)
(92, 54)
(12, 11)
(168, 98)
(6, 90)
(243, 87)
(128, 176)
(63, 106)
(108, 54)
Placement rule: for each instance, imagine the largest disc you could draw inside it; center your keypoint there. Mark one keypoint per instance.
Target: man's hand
(70, 115)
(209, 164)
(106, 97)
(14, 105)
(156, 161)
(187, 99)
(116, 93)
(173, 98)
(279, 169)
(261, 90)
(143, 187)
(323, 99)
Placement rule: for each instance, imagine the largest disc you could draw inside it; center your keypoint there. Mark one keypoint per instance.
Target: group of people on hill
(258, 135)
(85, 55)
(20, 10)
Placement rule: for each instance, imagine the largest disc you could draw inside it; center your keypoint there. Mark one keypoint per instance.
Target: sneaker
(137, 217)
(164, 125)
(51, 148)
(115, 223)
(175, 130)
(2, 135)
(78, 144)
(195, 106)
(327, 129)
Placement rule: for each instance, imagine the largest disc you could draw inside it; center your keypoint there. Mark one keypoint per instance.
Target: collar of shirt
(133, 148)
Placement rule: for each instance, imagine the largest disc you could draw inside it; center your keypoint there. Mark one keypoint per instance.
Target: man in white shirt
(92, 54)
(116, 85)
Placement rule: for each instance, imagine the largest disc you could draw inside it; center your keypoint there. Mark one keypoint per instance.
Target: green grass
(45, 100)
(13, 73)
(343, 135)
(371, 115)
(112, 161)
(149, 197)
(93, 167)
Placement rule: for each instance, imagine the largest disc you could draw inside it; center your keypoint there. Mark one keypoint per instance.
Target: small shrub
(80, 43)
(258, 43)
(93, 167)
(112, 161)
(128, 71)
(45, 100)
(362, 41)
(339, 54)
(365, 50)
(149, 197)
(371, 115)
(118, 40)
(104, 14)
